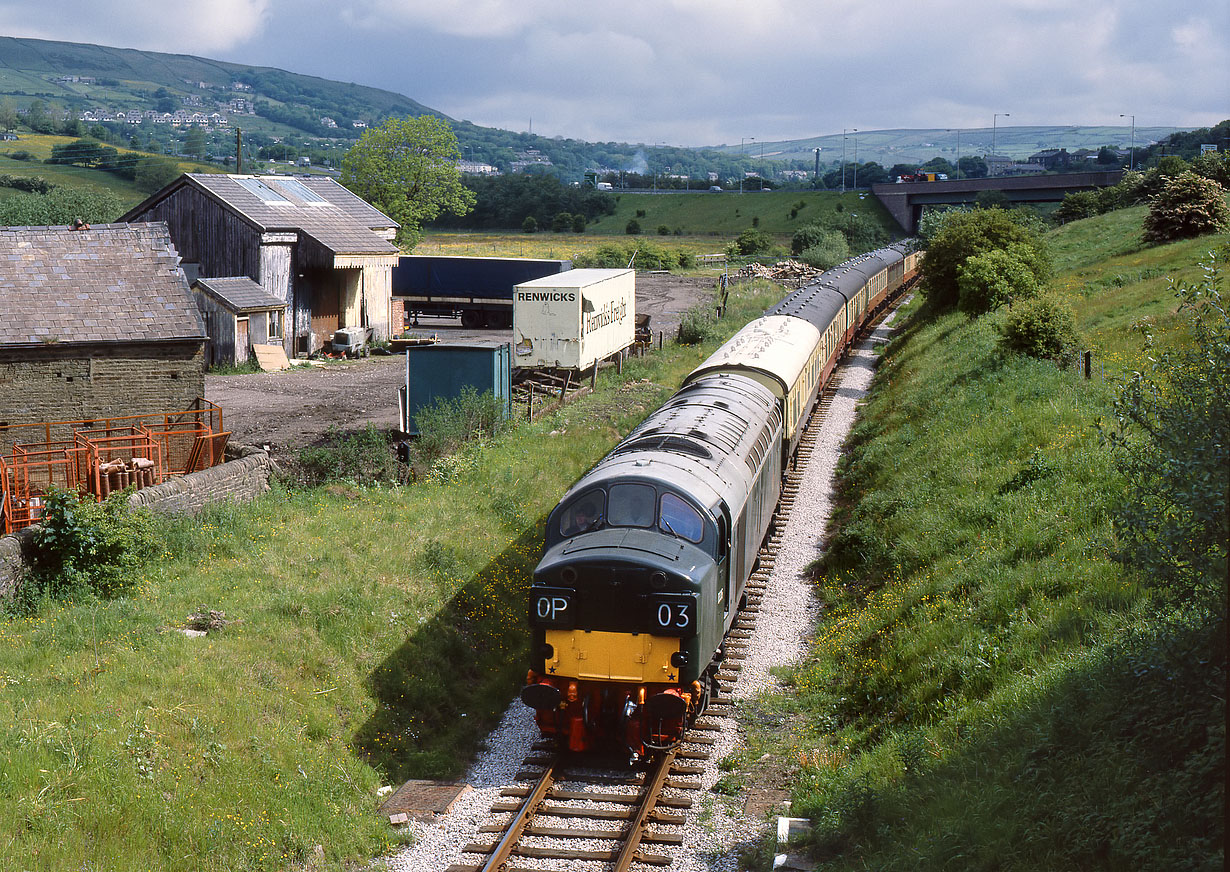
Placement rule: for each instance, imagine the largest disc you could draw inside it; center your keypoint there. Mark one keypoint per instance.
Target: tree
(827, 251)
(972, 167)
(194, 142)
(939, 165)
(407, 168)
(962, 236)
(993, 278)
(155, 173)
(992, 200)
(8, 114)
(1188, 205)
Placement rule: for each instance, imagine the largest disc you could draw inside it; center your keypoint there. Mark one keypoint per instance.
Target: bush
(663, 230)
(828, 251)
(994, 278)
(1041, 327)
(578, 223)
(85, 547)
(359, 456)
(562, 222)
(964, 235)
(1188, 205)
(1171, 440)
(529, 225)
(1077, 205)
(806, 237)
(698, 325)
(752, 242)
(633, 227)
(1214, 165)
(449, 423)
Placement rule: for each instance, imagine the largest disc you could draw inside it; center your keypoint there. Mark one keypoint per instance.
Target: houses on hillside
(94, 323)
(309, 243)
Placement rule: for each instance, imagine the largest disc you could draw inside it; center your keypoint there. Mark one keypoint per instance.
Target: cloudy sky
(708, 72)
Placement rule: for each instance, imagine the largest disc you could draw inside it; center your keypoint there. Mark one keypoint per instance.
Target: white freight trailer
(573, 319)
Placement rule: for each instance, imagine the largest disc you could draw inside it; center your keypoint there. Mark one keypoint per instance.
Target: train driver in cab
(584, 515)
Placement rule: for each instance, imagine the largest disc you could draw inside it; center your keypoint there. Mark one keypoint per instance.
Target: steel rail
(497, 861)
(655, 781)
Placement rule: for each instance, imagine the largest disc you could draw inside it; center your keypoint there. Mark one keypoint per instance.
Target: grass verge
(368, 635)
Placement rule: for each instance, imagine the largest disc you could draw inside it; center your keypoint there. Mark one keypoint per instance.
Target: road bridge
(905, 201)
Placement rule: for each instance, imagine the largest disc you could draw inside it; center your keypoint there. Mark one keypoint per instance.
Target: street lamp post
(994, 119)
(958, 164)
(815, 174)
(1132, 155)
(856, 159)
(844, 130)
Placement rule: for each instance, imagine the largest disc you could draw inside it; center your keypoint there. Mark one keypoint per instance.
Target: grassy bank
(372, 635)
(988, 688)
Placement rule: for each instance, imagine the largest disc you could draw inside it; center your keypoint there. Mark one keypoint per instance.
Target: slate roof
(111, 283)
(240, 294)
(317, 206)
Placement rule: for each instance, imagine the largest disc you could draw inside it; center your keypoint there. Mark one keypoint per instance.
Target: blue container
(441, 371)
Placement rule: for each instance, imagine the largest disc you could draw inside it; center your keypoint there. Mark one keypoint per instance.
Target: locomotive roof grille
(666, 442)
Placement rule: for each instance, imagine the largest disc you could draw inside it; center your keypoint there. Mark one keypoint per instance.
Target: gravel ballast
(716, 824)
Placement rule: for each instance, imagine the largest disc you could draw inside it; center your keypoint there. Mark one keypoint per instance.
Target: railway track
(569, 809)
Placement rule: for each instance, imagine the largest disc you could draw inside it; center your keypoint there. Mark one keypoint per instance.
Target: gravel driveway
(290, 410)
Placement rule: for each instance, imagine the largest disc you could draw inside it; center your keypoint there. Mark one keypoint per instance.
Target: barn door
(326, 305)
(242, 346)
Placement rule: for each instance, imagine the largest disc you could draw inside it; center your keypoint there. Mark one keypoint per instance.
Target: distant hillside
(82, 77)
(285, 115)
(888, 147)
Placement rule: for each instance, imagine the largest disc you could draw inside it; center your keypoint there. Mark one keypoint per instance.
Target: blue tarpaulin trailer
(479, 289)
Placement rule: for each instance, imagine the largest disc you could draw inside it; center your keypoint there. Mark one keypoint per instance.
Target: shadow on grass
(443, 690)
(1118, 764)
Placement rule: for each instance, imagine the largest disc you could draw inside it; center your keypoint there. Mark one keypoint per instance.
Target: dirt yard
(291, 410)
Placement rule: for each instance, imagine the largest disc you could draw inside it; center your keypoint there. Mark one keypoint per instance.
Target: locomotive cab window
(631, 505)
(680, 519)
(584, 514)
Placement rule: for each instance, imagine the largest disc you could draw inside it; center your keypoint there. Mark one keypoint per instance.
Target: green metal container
(441, 371)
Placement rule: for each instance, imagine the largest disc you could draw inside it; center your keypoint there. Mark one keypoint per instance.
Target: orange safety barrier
(103, 456)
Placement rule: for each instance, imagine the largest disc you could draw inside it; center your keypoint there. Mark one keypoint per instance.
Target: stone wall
(239, 480)
(66, 382)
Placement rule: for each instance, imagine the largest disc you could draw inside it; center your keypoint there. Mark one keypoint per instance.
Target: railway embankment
(1003, 674)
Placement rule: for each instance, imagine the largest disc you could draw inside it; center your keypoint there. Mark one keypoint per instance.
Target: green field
(728, 214)
(95, 181)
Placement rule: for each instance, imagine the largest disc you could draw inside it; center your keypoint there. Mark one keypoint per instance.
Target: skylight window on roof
(298, 190)
(266, 194)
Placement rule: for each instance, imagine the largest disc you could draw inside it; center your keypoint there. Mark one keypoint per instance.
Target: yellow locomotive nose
(603, 656)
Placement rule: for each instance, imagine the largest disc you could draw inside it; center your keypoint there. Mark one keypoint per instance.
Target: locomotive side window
(584, 514)
(631, 505)
(680, 519)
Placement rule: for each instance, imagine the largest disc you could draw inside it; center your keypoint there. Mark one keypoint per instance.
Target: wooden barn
(308, 241)
(95, 323)
(238, 314)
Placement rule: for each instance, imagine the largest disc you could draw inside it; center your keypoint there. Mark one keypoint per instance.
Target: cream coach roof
(773, 350)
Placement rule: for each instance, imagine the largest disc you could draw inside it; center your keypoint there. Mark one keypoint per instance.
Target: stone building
(95, 323)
